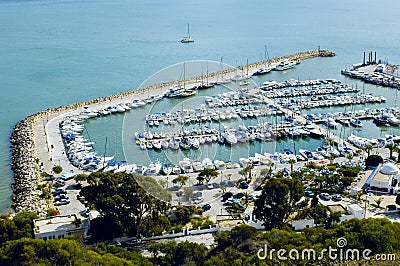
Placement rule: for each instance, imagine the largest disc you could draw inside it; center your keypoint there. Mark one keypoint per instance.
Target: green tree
(181, 180)
(21, 225)
(368, 149)
(314, 200)
(379, 201)
(391, 146)
(349, 156)
(292, 162)
(373, 160)
(319, 213)
(57, 169)
(246, 172)
(334, 218)
(278, 201)
(398, 199)
(80, 178)
(207, 174)
(122, 201)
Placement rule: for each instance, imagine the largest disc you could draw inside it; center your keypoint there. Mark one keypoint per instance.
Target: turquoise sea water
(55, 53)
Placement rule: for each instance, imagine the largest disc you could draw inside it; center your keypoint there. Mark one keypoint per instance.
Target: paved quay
(45, 145)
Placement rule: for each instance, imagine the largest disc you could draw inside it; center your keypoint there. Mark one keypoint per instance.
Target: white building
(59, 227)
(386, 180)
(300, 225)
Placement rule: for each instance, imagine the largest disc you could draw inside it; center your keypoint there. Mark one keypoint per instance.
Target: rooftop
(354, 207)
(337, 208)
(382, 177)
(389, 169)
(56, 223)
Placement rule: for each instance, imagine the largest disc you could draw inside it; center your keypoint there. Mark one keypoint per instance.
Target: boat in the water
(186, 165)
(285, 64)
(167, 169)
(187, 39)
(356, 122)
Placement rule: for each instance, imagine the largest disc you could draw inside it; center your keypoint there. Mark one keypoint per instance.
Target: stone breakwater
(25, 161)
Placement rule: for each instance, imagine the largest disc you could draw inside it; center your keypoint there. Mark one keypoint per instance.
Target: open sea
(55, 52)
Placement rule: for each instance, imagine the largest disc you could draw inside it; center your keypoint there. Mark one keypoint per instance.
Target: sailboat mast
(188, 31)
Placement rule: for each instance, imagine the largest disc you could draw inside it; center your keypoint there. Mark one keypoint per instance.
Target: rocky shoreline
(25, 162)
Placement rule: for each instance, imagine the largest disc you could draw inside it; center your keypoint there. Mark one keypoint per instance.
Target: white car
(198, 200)
(325, 196)
(210, 186)
(337, 197)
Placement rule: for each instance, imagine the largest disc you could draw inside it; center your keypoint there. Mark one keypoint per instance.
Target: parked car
(238, 195)
(58, 191)
(133, 242)
(337, 197)
(198, 200)
(309, 193)
(325, 196)
(227, 195)
(114, 242)
(61, 202)
(244, 185)
(61, 197)
(206, 207)
(210, 186)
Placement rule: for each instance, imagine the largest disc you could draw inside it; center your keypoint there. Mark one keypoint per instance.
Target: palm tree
(397, 149)
(292, 162)
(331, 158)
(181, 179)
(349, 156)
(391, 148)
(368, 148)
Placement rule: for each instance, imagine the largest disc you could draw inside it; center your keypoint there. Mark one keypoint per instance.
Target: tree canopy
(278, 201)
(121, 201)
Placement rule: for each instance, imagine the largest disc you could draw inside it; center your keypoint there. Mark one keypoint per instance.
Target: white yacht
(207, 163)
(330, 122)
(230, 138)
(197, 166)
(285, 64)
(186, 165)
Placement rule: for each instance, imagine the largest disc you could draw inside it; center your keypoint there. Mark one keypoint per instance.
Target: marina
(249, 118)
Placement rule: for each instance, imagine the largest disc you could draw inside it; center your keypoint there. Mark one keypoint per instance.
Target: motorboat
(381, 121)
(220, 165)
(262, 71)
(167, 169)
(195, 143)
(176, 170)
(314, 132)
(207, 163)
(285, 64)
(244, 162)
(174, 144)
(186, 165)
(306, 154)
(356, 122)
(230, 138)
(330, 122)
(157, 145)
(197, 166)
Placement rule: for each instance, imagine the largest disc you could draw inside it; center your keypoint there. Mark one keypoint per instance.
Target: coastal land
(37, 145)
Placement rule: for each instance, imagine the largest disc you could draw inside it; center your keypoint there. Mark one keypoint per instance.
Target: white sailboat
(187, 39)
